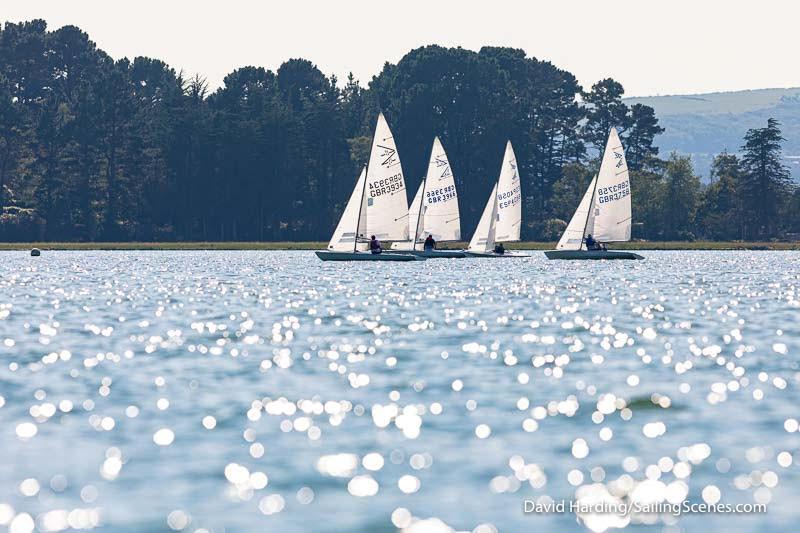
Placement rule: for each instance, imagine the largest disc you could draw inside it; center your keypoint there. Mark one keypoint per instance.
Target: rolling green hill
(705, 124)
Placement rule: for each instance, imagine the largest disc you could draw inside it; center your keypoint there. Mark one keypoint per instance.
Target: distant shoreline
(266, 246)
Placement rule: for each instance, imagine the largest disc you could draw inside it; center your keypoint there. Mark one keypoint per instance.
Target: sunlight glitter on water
(271, 391)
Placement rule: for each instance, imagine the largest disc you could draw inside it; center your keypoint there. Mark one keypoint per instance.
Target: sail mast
(419, 213)
(421, 202)
(360, 207)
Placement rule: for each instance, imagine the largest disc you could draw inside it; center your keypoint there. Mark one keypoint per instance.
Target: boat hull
(434, 254)
(326, 255)
(591, 254)
(507, 255)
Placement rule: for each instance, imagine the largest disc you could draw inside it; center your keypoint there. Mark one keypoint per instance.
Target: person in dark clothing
(499, 249)
(591, 244)
(375, 245)
(430, 243)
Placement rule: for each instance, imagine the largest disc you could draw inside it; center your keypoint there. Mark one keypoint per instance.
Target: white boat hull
(326, 255)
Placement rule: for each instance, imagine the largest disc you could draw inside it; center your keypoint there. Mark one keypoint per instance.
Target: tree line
(97, 149)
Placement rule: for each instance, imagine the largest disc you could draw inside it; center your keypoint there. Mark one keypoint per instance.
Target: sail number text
(614, 192)
(507, 199)
(444, 194)
(387, 186)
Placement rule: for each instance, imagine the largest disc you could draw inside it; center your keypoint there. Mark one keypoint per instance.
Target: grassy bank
(676, 245)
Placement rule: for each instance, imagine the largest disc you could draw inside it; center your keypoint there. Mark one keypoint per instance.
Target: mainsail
(484, 237)
(387, 206)
(353, 221)
(578, 226)
(440, 200)
(611, 208)
(509, 198)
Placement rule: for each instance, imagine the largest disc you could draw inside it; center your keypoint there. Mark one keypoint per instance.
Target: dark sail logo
(620, 159)
(441, 161)
(389, 156)
(513, 165)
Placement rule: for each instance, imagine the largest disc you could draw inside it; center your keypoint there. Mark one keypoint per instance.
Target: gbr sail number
(441, 195)
(387, 186)
(614, 192)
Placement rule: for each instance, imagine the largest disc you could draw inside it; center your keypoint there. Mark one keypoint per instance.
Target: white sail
(578, 226)
(353, 221)
(509, 199)
(484, 237)
(416, 215)
(440, 201)
(387, 206)
(611, 208)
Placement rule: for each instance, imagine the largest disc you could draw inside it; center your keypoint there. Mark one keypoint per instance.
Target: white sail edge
(574, 234)
(352, 223)
(484, 237)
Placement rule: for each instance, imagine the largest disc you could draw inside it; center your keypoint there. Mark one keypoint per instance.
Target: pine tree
(720, 217)
(606, 110)
(642, 131)
(681, 191)
(765, 180)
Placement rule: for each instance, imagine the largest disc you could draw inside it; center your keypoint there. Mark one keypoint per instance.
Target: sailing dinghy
(604, 211)
(377, 206)
(502, 217)
(434, 210)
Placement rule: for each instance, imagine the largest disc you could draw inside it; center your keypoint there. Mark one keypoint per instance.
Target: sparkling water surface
(269, 391)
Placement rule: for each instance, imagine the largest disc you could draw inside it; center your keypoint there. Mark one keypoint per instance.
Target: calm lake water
(268, 391)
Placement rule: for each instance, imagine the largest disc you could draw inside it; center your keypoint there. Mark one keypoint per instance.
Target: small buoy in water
(35, 252)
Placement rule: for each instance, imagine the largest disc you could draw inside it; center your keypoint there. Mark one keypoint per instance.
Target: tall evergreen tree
(12, 127)
(681, 191)
(638, 140)
(605, 110)
(720, 215)
(765, 180)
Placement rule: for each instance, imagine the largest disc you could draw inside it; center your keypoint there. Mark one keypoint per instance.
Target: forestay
(579, 225)
(353, 221)
(387, 206)
(611, 208)
(484, 238)
(509, 199)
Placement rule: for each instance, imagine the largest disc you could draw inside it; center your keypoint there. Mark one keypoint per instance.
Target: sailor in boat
(375, 245)
(499, 249)
(430, 244)
(591, 243)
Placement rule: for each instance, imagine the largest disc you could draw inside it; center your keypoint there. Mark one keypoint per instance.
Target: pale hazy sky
(651, 47)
